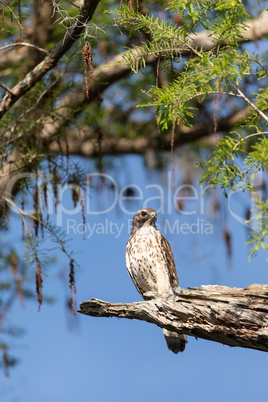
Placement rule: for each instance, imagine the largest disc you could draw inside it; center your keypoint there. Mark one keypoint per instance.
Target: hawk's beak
(153, 214)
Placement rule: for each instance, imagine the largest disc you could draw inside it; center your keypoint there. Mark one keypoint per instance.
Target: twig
(22, 213)
(16, 18)
(259, 63)
(214, 92)
(248, 136)
(257, 110)
(38, 263)
(31, 108)
(6, 88)
(47, 227)
(24, 44)
(52, 58)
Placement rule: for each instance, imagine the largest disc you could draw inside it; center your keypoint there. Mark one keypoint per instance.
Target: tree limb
(228, 315)
(52, 59)
(83, 141)
(116, 69)
(256, 30)
(8, 170)
(24, 44)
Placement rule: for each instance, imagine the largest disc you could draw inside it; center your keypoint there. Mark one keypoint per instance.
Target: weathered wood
(232, 316)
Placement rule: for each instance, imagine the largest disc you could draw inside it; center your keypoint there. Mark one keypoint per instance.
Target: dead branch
(232, 316)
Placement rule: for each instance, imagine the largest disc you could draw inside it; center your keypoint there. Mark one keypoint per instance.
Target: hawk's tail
(175, 342)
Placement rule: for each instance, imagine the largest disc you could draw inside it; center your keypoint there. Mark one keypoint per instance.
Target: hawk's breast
(146, 261)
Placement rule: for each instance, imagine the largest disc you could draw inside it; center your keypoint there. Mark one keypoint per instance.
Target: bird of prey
(150, 264)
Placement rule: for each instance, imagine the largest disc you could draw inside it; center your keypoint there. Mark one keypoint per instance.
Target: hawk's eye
(144, 213)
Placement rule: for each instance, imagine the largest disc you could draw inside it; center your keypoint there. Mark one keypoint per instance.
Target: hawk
(150, 264)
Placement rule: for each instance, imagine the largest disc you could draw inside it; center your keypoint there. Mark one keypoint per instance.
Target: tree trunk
(232, 316)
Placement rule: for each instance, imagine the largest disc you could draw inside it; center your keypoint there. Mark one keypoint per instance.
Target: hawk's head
(144, 217)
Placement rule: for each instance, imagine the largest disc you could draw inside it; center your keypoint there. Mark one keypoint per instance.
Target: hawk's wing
(169, 258)
(137, 283)
(130, 272)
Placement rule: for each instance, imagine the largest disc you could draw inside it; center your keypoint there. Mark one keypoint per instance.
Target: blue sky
(66, 358)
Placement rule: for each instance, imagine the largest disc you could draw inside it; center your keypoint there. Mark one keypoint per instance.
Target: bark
(52, 59)
(112, 72)
(8, 187)
(84, 142)
(104, 75)
(43, 24)
(228, 315)
(256, 30)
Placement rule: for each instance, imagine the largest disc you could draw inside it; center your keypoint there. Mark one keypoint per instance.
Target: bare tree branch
(11, 167)
(257, 110)
(52, 59)
(232, 316)
(104, 76)
(83, 141)
(6, 88)
(256, 30)
(24, 44)
(115, 69)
